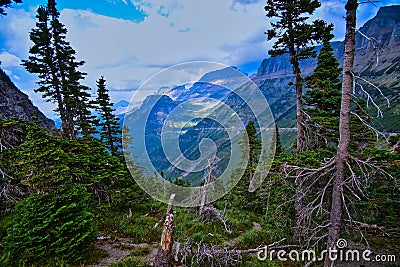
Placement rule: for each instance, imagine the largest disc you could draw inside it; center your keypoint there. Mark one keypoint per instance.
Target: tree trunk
(300, 146)
(299, 110)
(164, 253)
(344, 129)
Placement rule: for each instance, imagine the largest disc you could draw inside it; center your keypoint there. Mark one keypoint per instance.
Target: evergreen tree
(41, 61)
(324, 98)
(293, 36)
(54, 60)
(48, 227)
(5, 4)
(110, 129)
(278, 144)
(254, 148)
(240, 194)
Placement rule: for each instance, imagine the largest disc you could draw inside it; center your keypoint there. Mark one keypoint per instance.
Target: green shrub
(50, 226)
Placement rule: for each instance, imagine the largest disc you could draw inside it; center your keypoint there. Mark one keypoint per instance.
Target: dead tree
(164, 253)
(342, 155)
(207, 212)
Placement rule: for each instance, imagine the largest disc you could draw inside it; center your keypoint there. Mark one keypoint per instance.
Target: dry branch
(204, 254)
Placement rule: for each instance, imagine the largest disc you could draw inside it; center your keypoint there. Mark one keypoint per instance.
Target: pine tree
(54, 60)
(41, 61)
(6, 4)
(324, 98)
(293, 36)
(254, 148)
(110, 129)
(278, 144)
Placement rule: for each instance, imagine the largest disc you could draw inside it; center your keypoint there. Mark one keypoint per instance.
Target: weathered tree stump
(164, 253)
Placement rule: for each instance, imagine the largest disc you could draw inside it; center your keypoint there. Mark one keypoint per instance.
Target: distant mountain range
(377, 61)
(273, 77)
(187, 100)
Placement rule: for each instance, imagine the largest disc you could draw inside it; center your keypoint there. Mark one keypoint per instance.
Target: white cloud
(126, 52)
(175, 31)
(9, 60)
(16, 27)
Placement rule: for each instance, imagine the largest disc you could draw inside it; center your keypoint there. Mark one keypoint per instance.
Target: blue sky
(127, 41)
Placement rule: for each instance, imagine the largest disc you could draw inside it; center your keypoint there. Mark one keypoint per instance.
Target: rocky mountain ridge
(14, 104)
(377, 62)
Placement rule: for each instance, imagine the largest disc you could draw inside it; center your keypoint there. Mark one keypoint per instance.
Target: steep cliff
(16, 104)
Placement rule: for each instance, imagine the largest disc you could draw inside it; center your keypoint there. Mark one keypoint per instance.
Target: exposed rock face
(377, 60)
(381, 36)
(384, 28)
(16, 104)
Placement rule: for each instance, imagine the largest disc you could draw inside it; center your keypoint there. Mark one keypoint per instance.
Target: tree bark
(344, 129)
(164, 253)
(298, 205)
(299, 111)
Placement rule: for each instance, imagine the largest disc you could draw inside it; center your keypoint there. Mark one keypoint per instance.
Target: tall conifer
(110, 133)
(54, 60)
(295, 36)
(324, 98)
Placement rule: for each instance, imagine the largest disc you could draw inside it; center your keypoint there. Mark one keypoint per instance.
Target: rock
(15, 104)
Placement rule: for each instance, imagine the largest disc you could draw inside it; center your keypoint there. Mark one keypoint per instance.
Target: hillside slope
(15, 104)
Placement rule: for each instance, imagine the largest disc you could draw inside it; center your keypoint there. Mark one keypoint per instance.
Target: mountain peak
(392, 11)
(121, 103)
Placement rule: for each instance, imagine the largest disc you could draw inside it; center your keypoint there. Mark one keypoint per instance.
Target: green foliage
(48, 226)
(292, 31)
(140, 251)
(324, 99)
(110, 133)
(181, 182)
(47, 163)
(278, 144)
(139, 228)
(380, 206)
(240, 193)
(254, 146)
(361, 136)
(293, 35)
(249, 261)
(253, 236)
(54, 61)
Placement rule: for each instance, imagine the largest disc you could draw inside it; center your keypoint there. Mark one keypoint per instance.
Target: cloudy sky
(127, 41)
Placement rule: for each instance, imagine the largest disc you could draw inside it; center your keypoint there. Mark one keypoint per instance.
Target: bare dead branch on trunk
(374, 44)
